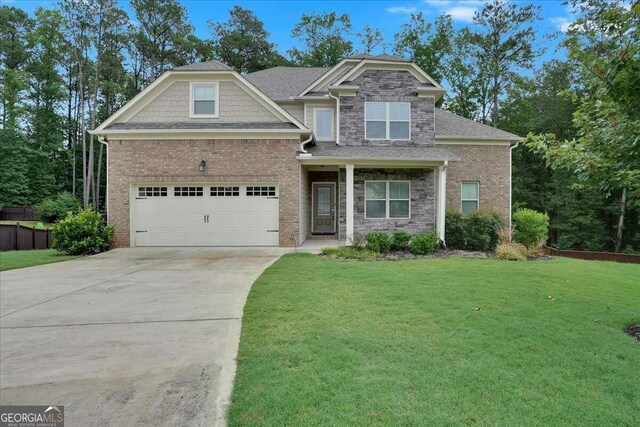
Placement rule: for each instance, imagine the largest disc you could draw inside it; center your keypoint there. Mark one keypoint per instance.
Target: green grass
(439, 342)
(20, 259)
(31, 224)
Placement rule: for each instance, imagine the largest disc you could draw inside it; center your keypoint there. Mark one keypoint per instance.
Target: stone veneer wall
(168, 161)
(386, 86)
(423, 202)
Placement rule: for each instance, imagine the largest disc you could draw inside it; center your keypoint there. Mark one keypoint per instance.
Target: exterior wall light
(201, 166)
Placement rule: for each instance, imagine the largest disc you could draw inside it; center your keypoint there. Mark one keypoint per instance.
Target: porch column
(442, 199)
(349, 203)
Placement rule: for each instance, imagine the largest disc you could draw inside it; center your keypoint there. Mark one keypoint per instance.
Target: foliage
(371, 39)
(454, 229)
(378, 241)
(511, 251)
(425, 243)
(400, 241)
(350, 252)
(531, 228)
(358, 241)
(482, 230)
(358, 332)
(82, 233)
(324, 37)
(242, 42)
(56, 208)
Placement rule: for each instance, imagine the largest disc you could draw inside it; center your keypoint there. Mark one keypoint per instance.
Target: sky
(280, 16)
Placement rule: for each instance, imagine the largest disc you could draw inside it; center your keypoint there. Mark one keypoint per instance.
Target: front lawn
(20, 259)
(439, 342)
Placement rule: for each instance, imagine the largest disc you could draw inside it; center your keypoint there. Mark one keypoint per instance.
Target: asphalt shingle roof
(280, 83)
(201, 125)
(450, 125)
(330, 149)
(204, 66)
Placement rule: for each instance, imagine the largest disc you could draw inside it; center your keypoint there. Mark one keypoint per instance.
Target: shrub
(424, 244)
(511, 252)
(351, 253)
(482, 230)
(454, 230)
(56, 208)
(531, 228)
(378, 242)
(357, 241)
(82, 233)
(400, 241)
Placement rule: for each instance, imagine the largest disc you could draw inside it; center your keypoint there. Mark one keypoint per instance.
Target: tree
(242, 42)
(371, 39)
(426, 44)
(604, 46)
(324, 37)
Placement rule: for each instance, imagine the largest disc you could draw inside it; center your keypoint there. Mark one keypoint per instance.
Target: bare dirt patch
(634, 331)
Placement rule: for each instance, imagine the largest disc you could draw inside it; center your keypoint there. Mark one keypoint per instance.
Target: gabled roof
(280, 83)
(201, 125)
(204, 66)
(381, 57)
(452, 126)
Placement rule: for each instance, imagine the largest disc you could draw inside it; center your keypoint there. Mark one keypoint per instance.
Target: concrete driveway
(142, 336)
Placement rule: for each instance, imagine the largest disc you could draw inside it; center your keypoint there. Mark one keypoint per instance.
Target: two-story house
(206, 157)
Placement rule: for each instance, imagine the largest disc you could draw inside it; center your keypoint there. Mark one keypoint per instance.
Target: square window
(399, 130)
(398, 209)
(388, 120)
(387, 199)
(376, 190)
(376, 130)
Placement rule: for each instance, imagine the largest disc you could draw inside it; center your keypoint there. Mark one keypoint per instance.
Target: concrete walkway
(143, 336)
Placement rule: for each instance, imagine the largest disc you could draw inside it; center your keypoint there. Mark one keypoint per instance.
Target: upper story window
(323, 123)
(470, 196)
(387, 120)
(204, 100)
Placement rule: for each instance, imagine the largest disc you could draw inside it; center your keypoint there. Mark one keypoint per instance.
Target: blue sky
(280, 17)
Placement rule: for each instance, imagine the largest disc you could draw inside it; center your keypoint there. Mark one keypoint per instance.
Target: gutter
(103, 140)
(302, 152)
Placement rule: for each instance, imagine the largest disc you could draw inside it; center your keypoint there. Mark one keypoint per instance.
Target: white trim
(470, 200)
(472, 141)
(144, 134)
(216, 100)
(335, 203)
(387, 198)
(349, 204)
(328, 74)
(387, 121)
(442, 201)
(333, 123)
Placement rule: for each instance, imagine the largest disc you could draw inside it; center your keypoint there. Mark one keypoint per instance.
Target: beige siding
(172, 105)
(296, 111)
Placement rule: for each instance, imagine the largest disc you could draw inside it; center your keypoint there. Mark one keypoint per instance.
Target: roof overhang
(477, 140)
(369, 162)
(145, 134)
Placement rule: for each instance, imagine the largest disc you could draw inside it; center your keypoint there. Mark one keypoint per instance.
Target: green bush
(350, 253)
(378, 242)
(531, 228)
(454, 230)
(424, 244)
(56, 208)
(82, 233)
(400, 241)
(511, 252)
(482, 230)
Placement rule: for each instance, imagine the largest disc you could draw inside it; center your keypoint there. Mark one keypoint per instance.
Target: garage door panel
(235, 219)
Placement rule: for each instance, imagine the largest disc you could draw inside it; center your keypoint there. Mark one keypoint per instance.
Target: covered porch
(358, 190)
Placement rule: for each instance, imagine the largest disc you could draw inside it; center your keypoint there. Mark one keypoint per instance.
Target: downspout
(511, 183)
(103, 140)
(337, 98)
(303, 143)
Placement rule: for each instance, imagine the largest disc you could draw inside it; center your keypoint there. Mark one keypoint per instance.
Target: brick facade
(423, 202)
(487, 164)
(386, 86)
(151, 161)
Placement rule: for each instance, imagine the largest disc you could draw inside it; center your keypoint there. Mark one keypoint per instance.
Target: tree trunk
(495, 103)
(623, 208)
(83, 130)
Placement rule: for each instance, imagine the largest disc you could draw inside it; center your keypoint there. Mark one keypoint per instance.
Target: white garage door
(206, 215)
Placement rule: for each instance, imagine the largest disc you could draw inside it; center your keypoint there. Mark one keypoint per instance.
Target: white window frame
(315, 123)
(387, 199)
(387, 121)
(470, 200)
(216, 113)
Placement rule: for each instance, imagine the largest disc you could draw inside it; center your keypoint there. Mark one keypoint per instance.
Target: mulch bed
(634, 331)
(392, 256)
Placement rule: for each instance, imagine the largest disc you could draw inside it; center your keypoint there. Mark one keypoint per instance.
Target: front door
(324, 207)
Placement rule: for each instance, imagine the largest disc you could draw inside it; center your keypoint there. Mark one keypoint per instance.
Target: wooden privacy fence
(17, 213)
(15, 237)
(593, 256)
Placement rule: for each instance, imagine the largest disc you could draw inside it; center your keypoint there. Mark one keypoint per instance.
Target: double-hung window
(387, 120)
(323, 123)
(470, 196)
(204, 100)
(387, 199)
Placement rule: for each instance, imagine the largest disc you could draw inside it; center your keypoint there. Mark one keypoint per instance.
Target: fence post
(33, 238)
(17, 245)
